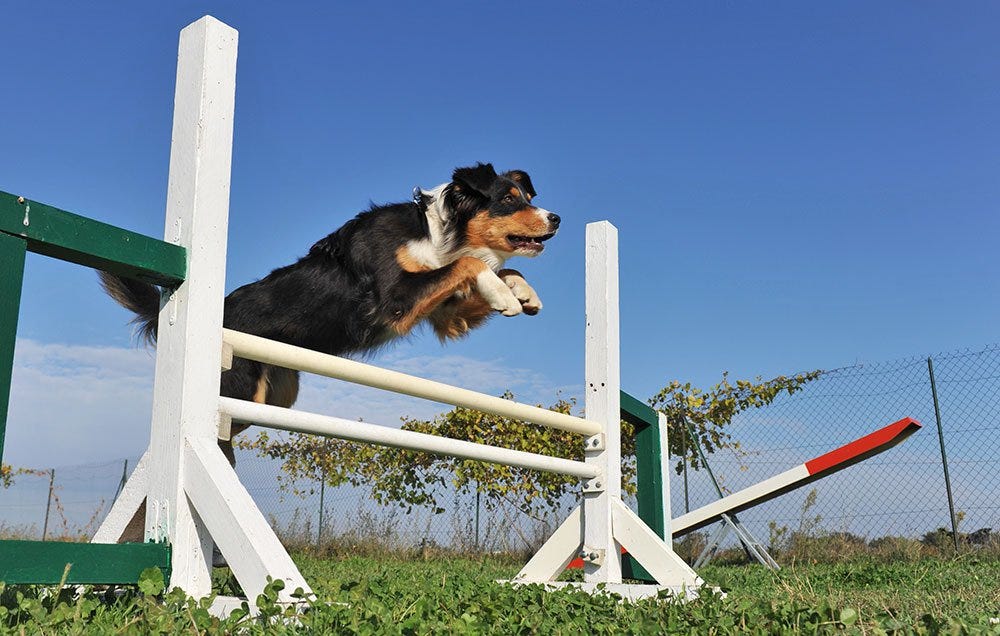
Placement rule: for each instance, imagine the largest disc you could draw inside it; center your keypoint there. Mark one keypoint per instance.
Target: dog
(438, 259)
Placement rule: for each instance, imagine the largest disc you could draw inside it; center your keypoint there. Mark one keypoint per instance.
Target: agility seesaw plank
(812, 470)
(823, 466)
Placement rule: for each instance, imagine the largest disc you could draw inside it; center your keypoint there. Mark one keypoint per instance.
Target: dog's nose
(554, 219)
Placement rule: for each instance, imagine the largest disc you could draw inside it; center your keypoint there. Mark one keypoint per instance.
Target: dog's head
(494, 211)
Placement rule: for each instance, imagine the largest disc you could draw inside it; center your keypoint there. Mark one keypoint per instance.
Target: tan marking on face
(517, 177)
(515, 192)
(408, 262)
(492, 232)
(458, 281)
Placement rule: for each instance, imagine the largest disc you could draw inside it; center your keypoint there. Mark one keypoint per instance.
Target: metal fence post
(121, 484)
(478, 496)
(944, 455)
(322, 497)
(684, 465)
(48, 504)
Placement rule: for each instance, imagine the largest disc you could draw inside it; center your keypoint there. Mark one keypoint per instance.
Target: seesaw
(815, 469)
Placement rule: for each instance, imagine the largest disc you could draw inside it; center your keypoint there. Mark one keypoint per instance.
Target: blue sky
(796, 185)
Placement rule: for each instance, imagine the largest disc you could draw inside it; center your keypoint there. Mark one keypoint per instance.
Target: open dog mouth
(529, 242)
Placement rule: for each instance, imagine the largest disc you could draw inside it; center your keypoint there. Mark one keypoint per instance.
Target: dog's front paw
(525, 293)
(499, 296)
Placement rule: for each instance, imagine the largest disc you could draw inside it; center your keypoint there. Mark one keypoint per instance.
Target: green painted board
(12, 250)
(648, 477)
(77, 239)
(43, 562)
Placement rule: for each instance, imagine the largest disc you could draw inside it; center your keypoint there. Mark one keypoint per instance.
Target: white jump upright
(603, 524)
(192, 495)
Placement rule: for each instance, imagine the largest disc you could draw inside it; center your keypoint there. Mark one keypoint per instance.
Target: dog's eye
(508, 199)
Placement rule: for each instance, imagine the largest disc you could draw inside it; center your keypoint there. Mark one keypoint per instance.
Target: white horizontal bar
(291, 357)
(302, 422)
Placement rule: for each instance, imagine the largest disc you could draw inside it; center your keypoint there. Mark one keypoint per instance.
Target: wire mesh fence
(901, 493)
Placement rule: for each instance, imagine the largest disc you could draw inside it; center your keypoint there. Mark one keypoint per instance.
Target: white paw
(497, 294)
(525, 293)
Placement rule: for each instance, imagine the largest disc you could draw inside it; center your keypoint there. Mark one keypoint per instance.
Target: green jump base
(44, 562)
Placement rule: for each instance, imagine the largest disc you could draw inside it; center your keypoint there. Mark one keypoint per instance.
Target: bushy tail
(142, 299)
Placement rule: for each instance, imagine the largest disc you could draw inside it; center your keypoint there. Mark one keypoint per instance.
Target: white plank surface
(734, 502)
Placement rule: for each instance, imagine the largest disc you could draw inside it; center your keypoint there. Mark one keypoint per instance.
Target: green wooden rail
(77, 239)
(649, 478)
(29, 226)
(46, 562)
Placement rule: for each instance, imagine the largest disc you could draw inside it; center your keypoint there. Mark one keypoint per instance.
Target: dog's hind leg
(274, 386)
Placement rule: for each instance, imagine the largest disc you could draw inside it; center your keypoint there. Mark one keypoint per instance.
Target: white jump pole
(302, 422)
(252, 347)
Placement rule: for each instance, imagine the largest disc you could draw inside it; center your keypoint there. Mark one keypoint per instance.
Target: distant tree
(416, 479)
(707, 414)
(8, 473)
(419, 479)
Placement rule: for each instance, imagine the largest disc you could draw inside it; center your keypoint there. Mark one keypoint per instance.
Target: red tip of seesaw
(864, 447)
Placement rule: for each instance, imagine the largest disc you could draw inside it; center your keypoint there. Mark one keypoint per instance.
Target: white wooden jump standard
(193, 496)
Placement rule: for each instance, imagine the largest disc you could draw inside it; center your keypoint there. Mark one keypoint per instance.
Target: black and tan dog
(438, 259)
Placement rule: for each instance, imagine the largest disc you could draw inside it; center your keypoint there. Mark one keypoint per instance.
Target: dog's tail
(142, 299)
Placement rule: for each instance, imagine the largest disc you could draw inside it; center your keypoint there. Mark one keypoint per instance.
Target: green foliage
(708, 413)
(8, 473)
(151, 582)
(458, 596)
(416, 479)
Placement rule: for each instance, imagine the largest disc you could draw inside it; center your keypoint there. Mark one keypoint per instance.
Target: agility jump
(193, 498)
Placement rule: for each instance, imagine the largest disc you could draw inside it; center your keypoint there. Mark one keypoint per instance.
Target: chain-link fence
(902, 492)
(61, 502)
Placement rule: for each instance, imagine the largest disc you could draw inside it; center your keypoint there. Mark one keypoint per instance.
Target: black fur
(348, 294)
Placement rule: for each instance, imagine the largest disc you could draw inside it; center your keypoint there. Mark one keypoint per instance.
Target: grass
(367, 595)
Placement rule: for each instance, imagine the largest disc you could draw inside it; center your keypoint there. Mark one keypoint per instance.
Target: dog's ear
(470, 187)
(522, 179)
(479, 178)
